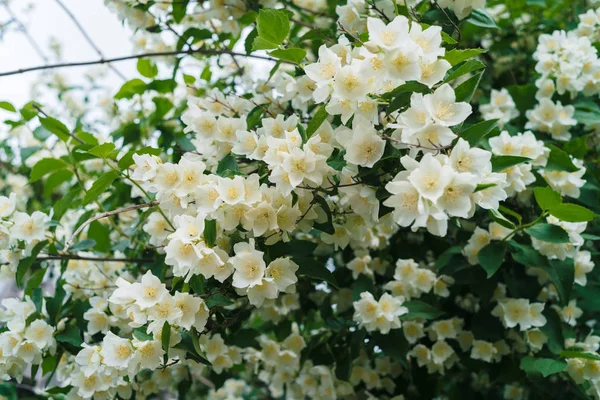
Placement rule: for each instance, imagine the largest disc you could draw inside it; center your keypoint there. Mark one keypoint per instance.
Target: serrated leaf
(272, 25)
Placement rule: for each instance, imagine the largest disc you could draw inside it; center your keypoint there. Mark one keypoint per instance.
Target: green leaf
(56, 127)
(393, 345)
(316, 121)
(83, 245)
(587, 118)
(71, 335)
(130, 89)
(218, 300)
(483, 186)
(102, 150)
(456, 56)
(35, 281)
(228, 163)
(127, 160)
(5, 105)
(558, 160)
(499, 218)
(49, 363)
(562, 273)
(464, 68)
(326, 227)
(420, 309)
(27, 262)
(166, 340)
(46, 166)
(100, 234)
(61, 206)
(311, 268)
(179, 9)
(548, 233)
(579, 354)
(466, 90)
(572, 213)
(272, 25)
(546, 198)
(248, 44)
(293, 54)
(549, 366)
(210, 231)
(147, 68)
(474, 133)
(481, 18)
(500, 163)
(492, 256)
(99, 186)
(262, 44)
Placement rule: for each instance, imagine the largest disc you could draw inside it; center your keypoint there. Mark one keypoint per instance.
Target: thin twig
(449, 19)
(88, 38)
(90, 258)
(104, 215)
(143, 55)
(23, 29)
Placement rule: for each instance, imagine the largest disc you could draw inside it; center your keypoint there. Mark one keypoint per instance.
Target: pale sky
(48, 20)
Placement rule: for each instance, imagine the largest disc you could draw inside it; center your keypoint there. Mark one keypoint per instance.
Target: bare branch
(88, 38)
(90, 258)
(104, 215)
(143, 55)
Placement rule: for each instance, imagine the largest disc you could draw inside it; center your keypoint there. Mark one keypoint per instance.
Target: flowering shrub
(402, 206)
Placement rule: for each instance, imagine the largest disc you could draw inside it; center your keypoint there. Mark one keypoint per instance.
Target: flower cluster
(27, 339)
(438, 187)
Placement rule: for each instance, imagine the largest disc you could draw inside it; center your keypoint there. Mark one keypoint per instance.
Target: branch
(90, 258)
(88, 38)
(143, 55)
(104, 215)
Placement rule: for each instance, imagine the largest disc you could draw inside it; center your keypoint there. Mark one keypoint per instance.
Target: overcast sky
(48, 20)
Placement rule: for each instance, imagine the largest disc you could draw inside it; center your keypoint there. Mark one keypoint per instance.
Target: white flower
(149, 291)
(116, 352)
(441, 105)
(248, 264)
(7, 205)
(29, 228)
(363, 145)
(40, 333)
